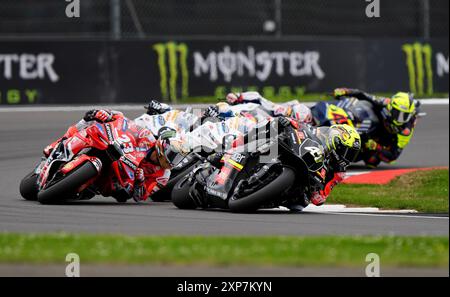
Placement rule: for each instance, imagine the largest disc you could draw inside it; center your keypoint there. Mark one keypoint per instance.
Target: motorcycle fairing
(220, 183)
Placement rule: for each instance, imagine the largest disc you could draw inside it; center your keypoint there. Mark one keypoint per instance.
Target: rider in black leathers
(398, 115)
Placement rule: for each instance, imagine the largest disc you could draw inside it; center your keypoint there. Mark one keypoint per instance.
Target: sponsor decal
(235, 165)
(442, 64)
(144, 133)
(223, 175)
(161, 120)
(420, 68)
(216, 193)
(125, 125)
(109, 133)
(129, 163)
(228, 65)
(173, 69)
(294, 140)
(262, 65)
(28, 67)
(237, 157)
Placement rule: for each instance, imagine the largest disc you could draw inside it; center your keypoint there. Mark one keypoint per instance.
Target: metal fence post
(426, 19)
(278, 17)
(115, 19)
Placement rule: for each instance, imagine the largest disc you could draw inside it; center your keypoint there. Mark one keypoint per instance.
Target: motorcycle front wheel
(68, 185)
(273, 189)
(180, 194)
(165, 193)
(28, 187)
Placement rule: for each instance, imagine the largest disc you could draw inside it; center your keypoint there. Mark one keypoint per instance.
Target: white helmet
(301, 113)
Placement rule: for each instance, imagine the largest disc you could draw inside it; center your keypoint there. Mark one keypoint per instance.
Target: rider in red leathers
(153, 171)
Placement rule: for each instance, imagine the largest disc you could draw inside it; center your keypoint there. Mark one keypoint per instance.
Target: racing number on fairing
(126, 144)
(337, 115)
(312, 154)
(316, 153)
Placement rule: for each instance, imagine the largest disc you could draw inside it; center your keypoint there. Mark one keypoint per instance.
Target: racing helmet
(344, 143)
(166, 153)
(401, 108)
(224, 110)
(301, 113)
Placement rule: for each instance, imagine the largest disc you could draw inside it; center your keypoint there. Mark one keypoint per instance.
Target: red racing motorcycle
(100, 159)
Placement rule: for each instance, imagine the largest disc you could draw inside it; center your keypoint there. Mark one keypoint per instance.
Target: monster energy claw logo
(420, 68)
(172, 60)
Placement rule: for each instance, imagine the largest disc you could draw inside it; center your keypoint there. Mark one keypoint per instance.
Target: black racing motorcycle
(243, 181)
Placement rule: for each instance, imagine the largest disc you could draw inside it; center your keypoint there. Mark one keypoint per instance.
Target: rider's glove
(372, 145)
(211, 112)
(284, 121)
(234, 98)
(156, 107)
(339, 92)
(99, 115)
(317, 198)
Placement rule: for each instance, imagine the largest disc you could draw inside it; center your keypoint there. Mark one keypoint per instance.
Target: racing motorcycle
(96, 160)
(354, 112)
(245, 182)
(214, 135)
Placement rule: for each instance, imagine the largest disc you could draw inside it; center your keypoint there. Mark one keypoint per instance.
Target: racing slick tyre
(68, 185)
(180, 195)
(165, 193)
(28, 187)
(256, 199)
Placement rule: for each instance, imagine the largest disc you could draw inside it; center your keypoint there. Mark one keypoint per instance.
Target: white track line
(385, 215)
(342, 208)
(444, 101)
(339, 209)
(137, 107)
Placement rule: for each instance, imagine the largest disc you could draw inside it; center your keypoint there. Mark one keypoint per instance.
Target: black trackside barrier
(89, 72)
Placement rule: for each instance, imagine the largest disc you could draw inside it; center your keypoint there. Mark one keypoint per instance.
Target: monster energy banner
(419, 67)
(134, 71)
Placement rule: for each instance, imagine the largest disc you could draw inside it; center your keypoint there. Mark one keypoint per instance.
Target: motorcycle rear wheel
(67, 186)
(266, 194)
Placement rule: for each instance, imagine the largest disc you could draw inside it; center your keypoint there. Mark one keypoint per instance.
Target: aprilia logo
(73, 9)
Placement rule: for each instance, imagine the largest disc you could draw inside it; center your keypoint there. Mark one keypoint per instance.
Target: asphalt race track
(23, 135)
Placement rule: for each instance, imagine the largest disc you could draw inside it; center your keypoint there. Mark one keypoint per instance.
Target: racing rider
(292, 109)
(153, 171)
(398, 115)
(341, 144)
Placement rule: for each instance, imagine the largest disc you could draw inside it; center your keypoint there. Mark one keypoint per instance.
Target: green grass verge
(306, 97)
(325, 251)
(425, 191)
